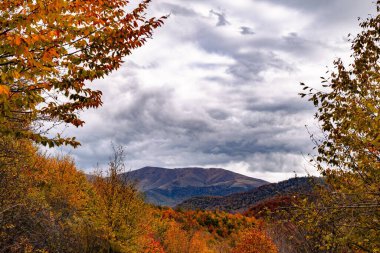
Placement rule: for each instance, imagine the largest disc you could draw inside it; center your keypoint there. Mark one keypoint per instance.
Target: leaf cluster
(50, 51)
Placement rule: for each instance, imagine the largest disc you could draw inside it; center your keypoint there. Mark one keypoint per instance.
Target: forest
(50, 52)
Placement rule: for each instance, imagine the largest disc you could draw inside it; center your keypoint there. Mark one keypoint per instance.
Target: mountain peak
(165, 186)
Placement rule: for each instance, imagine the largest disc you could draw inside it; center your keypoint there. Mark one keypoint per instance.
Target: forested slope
(240, 202)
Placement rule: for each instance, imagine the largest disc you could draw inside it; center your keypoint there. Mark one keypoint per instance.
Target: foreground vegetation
(50, 49)
(50, 52)
(47, 205)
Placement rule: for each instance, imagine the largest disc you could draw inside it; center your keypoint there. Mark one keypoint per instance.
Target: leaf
(18, 41)
(4, 90)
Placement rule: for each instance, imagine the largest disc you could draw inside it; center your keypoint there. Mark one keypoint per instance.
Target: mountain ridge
(242, 201)
(163, 186)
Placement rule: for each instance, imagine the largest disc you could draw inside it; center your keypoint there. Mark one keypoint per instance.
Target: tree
(153, 246)
(198, 243)
(51, 49)
(127, 217)
(347, 215)
(45, 203)
(176, 239)
(254, 241)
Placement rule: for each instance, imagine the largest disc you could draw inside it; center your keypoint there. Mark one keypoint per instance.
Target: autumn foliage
(254, 241)
(50, 51)
(47, 205)
(205, 231)
(346, 215)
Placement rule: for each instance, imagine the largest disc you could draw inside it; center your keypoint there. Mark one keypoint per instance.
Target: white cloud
(205, 94)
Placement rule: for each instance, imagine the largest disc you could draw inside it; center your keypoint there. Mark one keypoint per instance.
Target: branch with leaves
(50, 52)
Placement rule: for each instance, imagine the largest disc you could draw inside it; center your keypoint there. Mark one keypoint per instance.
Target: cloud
(287, 105)
(245, 30)
(222, 20)
(179, 10)
(218, 114)
(250, 65)
(201, 94)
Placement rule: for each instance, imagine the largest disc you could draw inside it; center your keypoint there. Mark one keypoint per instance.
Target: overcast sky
(218, 85)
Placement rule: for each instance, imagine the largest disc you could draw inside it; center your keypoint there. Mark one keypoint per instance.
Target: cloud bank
(218, 85)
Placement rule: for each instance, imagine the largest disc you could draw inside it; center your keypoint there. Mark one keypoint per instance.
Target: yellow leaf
(16, 74)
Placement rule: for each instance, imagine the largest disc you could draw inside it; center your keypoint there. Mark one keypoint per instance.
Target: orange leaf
(18, 41)
(4, 90)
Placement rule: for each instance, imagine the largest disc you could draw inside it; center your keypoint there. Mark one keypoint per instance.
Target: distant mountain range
(240, 202)
(169, 187)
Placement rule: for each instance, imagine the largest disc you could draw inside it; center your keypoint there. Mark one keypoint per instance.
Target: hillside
(169, 187)
(239, 202)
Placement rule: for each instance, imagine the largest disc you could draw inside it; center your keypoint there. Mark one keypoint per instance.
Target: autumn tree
(347, 215)
(50, 51)
(198, 243)
(122, 208)
(152, 246)
(13, 191)
(179, 240)
(45, 204)
(254, 241)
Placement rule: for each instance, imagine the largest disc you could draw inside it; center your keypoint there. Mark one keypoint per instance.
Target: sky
(218, 86)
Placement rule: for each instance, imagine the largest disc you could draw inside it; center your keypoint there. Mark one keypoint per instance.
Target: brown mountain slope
(172, 186)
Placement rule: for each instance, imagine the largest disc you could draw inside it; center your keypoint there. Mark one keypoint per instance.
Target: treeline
(47, 205)
(240, 202)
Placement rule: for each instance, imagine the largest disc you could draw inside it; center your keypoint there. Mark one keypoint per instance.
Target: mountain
(240, 202)
(170, 187)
